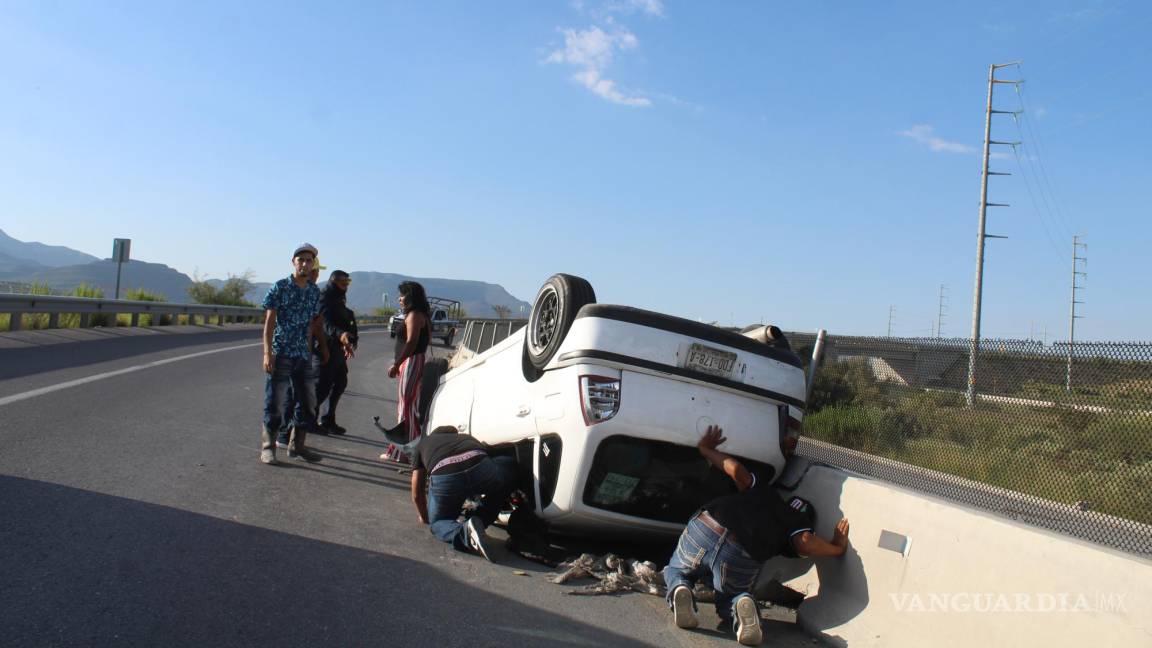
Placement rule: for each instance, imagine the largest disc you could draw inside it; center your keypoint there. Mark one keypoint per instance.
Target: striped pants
(408, 405)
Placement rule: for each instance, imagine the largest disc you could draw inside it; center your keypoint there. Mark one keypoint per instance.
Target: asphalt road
(134, 511)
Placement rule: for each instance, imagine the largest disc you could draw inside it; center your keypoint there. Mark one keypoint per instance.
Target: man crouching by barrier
(458, 468)
(728, 540)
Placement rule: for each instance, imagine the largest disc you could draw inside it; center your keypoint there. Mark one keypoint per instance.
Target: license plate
(709, 360)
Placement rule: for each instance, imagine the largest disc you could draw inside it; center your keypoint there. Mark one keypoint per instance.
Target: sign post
(120, 251)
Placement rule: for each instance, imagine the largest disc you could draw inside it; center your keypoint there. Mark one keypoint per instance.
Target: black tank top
(422, 341)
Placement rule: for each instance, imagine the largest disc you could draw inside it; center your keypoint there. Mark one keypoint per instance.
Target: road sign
(120, 251)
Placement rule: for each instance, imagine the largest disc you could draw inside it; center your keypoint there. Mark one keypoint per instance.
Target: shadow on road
(82, 568)
(26, 361)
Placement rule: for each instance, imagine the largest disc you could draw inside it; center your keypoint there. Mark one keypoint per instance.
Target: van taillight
(600, 397)
(790, 424)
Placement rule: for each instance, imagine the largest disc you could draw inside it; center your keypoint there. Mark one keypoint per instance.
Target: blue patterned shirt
(295, 308)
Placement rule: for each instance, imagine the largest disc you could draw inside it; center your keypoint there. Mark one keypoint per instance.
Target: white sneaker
(268, 456)
(747, 622)
(477, 540)
(684, 608)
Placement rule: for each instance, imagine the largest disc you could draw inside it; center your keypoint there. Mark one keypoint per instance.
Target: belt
(455, 459)
(710, 522)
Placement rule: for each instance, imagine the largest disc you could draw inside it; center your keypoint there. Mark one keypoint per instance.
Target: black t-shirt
(441, 445)
(761, 521)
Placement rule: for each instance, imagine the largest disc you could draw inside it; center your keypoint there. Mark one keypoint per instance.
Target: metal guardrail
(87, 307)
(482, 334)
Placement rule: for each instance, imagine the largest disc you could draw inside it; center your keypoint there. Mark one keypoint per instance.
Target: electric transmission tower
(941, 310)
(1072, 316)
(974, 347)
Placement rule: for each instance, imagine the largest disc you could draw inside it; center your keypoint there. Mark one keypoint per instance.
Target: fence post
(85, 320)
(135, 320)
(53, 320)
(15, 321)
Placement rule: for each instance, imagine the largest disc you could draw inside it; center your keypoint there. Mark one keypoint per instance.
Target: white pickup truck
(604, 405)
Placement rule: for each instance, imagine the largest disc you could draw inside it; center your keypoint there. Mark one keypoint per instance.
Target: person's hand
(269, 362)
(713, 437)
(344, 340)
(394, 371)
(840, 535)
(423, 520)
(349, 351)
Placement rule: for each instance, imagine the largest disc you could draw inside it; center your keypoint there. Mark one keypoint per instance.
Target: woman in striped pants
(409, 364)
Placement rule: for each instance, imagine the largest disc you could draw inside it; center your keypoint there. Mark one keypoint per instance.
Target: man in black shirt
(340, 329)
(732, 536)
(458, 467)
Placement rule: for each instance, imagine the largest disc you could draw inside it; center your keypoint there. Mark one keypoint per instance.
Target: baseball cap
(316, 265)
(305, 247)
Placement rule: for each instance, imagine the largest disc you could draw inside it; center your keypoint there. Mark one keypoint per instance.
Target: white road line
(108, 374)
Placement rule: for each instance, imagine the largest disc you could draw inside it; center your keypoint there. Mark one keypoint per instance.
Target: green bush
(146, 319)
(230, 294)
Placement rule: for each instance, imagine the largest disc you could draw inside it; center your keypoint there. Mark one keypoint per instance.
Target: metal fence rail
(94, 311)
(482, 334)
(1078, 455)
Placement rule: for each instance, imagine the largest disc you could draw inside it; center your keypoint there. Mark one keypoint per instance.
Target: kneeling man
(457, 467)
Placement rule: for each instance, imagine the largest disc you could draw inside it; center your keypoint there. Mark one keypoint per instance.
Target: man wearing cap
(291, 309)
(293, 408)
(729, 539)
(458, 467)
(343, 336)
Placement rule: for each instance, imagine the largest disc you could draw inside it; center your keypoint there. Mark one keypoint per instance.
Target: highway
(134, 511)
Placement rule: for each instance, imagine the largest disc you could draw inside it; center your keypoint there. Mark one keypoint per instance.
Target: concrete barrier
(921, 571)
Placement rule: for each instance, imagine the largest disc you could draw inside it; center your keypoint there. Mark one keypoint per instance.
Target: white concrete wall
(965, 578)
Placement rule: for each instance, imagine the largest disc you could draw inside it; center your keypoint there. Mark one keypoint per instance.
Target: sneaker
(268, 456)
(747, 622)
(477, 540)
(304, 454)
(684, 608)
(331, 428)
(283, 445)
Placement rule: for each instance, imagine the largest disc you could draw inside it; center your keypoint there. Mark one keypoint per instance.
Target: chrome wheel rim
(545, 320)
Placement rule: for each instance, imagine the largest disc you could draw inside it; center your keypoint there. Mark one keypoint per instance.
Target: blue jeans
(300, 374)
(294, 413)
(493, 477)
(704, 554)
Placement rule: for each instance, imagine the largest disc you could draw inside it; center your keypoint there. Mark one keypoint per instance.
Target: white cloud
(591, 51)
(924, 134)
(650, 7)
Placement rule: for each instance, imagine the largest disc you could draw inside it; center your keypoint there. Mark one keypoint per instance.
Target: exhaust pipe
(814, 365)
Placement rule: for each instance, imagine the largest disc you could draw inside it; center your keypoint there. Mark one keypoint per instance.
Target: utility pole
(974, 347)
(940, 311)
(891, 313)
(1076, 245)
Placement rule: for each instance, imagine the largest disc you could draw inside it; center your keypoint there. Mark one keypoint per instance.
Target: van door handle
(463, 427)
(524, 411)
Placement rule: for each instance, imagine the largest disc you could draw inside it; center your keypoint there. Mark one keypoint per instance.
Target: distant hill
(24, 263)
(40, 254)
(155, 277)
(477, 297)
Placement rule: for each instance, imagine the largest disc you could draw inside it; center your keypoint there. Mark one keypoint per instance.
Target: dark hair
(337, 274)
(417, 300)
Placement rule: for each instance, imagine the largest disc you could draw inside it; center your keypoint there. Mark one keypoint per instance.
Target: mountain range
(63, 269)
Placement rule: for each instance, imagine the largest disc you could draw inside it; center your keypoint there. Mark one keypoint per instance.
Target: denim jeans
(294, 413)
(493, 477)
(300, 374)
(704, 554)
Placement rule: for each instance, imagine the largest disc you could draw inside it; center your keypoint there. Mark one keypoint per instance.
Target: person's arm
(317, 331)
(269, 330)
(410, 324)
(730, 466)
(809, 544)
(419, 495)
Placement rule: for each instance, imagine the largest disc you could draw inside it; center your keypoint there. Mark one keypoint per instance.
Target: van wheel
(429, 382)
(553, 312)
(448, 340)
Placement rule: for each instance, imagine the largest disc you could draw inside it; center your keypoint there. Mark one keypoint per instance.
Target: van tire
(553, 312)
(434, 369)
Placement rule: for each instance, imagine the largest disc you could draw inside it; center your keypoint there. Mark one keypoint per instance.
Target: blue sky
(810, 164)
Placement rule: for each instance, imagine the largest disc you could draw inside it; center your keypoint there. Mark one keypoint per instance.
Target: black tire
(553, 312)
(433, 370)
(448, 340)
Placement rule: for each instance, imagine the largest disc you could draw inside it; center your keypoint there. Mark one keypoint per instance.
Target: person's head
(805, 509)
(412, 297)
(303, 260)
(314, 274)
(339, 280)
(446, 429)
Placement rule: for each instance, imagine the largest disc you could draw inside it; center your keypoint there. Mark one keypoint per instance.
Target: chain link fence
(1054, 436)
